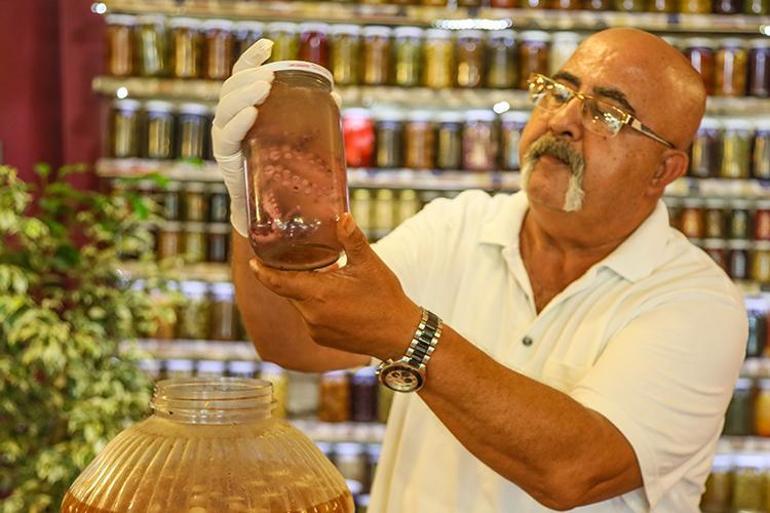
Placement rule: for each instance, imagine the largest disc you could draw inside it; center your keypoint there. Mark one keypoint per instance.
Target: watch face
(401, 378)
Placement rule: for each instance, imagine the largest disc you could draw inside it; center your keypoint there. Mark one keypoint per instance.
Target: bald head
(666, 92)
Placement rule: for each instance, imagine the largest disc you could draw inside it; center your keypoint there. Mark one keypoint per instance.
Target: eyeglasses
(598, 116)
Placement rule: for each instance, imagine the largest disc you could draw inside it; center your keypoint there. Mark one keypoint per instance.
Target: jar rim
(377, 30)
(281, 26)
(346, 29)
(308, 67)
(408, 32)
(314, 26)
(120, 19)
(217, 24)
(470, 33)
(535, 35)
(192, 23)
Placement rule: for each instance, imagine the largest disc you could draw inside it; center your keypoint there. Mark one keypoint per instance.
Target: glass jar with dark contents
(186, 47)
(363, 391)
(693, 222)
(738, 259)
(727, 6)
(218, 242)
(419, 141)
(159, 130)
(246, 34)
(219, 203)
(314, 43)
(408, 56)
(480, 140)
(701, 52)
(389, 127)
(218, 49)
(376, 53)
(346, 54)
(222, 325)
(152, 45)
(192, 130)
(756, 7)
(470, 58)
(195, 201)
(706, 150)
(121, 58)
(502, 67)
(762, 220)
(125, 129)
(449, 140)
(533, 55)
(759, 67)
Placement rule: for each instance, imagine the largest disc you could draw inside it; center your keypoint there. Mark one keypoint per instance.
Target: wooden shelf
(456, 18)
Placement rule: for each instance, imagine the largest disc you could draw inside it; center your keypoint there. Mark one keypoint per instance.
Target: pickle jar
(219, 203)
(186, 47)
(693, 222)
(295, 168)
(738, 418)
(384, 212)
(715, 218)
(346, 54)
(759, 67)
(314, 43)
(285, 38)
(192, 130)
(222, 312)
(716, 498)
(438, 59)
(706, 150)
(738, 259)
(534, 49)
(762, 408)
(361, 209)
(449, 140)
(389, 129)
(121, 59)
(159, 130)
(195, 201)
(419, 141)
(358, 136)
(218, 243)
(408, 56)
(762, 220)
(749, 482)
(408, 204)
(761, 152)
(334, 397)
(170, 199)
(760, 262)
(695, 6)
(124, 137)
(194, 313)
(727, 7)
(512, 124)
(480, 140)
(218, 49)
(563, 45)
(731, 68)
(756, 7)
(194, 243)
(246, 34)
(376, 52)
(739, 220)
(470, 59)
(502, 68)
(152, 45)
(736, 148)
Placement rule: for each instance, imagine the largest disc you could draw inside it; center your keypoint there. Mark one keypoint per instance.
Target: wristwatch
(407, 374)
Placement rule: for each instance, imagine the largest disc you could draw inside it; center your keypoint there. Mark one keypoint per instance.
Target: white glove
(236, 112)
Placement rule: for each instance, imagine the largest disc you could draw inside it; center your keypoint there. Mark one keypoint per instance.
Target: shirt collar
(634, 259)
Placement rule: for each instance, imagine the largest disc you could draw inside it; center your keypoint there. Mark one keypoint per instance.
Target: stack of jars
(357, 463)
(731, 66)
(379, 211)
(731, 148)
(738, 483)
(475, 140)
(661, 6)
(159, 130)
(352, 396)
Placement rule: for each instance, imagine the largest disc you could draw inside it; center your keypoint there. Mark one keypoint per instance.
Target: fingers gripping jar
(295, 167)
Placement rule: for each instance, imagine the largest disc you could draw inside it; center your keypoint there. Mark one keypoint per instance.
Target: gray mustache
(555, 147)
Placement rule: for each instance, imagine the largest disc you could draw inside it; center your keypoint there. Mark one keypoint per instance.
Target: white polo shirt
(652, 337)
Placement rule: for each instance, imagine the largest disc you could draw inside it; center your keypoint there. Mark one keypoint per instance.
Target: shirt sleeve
(665, 380)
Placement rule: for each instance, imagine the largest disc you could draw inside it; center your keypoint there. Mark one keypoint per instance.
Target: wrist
(395, 341)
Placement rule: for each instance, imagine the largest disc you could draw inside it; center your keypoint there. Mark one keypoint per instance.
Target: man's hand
(359, 308)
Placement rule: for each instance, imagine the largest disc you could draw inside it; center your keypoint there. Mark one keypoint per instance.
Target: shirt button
(527, 341)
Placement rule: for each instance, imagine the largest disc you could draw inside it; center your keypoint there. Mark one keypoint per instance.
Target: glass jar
(173, 453)
(762, 408)
(701, 52)
(408, 204)
(736, 148)
(302, 394)
(193, 316)
(408, 56)
(727, 7)
(419, 141)
(759, 67)
(350, 459)
(363, 395)
(717, 495)
(358, 135)
(246, 34)
(384, 219)
(152, 45)
(124, 140)
(361, 209)
(749, 485)
(706, 150)
(630, 5)
(192, 124)
(295, 164)
(534, 49)
(438, 59)
(470, 58)
(480, 141)
(171, 201)
(756, 7)
(597, 5)
(663, 6)
(222, 312)
(563, 45)
(159, 130)
(738, 419)
(761, 154)
(195, 201)
(739, 220)
(186, 47)
(376, 53)
(695, 6)
(285, 39)
(512, 124)
(218, 243)
(120, 44)
(218, 49)
(449, 139)
(762, 220)
(389, 127)
(279, 379)
(760, 262)
(346, 54)
(715, 218)
(693, 220)
(731, 68)
(314, 43)
(738, 259)
(219, 203)
(334, 397)
(502, 68)
(195, 243)
(717, 250)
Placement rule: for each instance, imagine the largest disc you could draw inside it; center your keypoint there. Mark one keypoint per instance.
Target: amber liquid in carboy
(341, 504)
(296, 175)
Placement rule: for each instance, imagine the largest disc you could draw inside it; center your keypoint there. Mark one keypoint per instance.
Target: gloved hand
(236, 112)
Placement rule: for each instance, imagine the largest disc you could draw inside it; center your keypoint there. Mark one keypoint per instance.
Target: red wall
(50, 50)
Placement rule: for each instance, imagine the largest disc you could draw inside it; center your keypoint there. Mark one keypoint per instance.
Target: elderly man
(587, 351)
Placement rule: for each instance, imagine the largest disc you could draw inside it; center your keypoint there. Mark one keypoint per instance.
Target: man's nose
(567, 122)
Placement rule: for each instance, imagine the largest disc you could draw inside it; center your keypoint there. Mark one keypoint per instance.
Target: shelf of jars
(207, 91)
(208, 272)
(452, 17)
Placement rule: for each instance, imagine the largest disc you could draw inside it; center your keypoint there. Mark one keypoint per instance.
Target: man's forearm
(561, 453)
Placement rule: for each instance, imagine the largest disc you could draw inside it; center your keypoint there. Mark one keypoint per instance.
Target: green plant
(65, 389)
